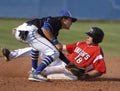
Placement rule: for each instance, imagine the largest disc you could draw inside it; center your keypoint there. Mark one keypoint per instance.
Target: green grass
(110, 43)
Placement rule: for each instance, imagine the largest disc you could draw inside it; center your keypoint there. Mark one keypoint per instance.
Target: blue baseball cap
(66, 13)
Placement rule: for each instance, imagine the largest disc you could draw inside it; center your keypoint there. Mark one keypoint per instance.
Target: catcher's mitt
(77, 71)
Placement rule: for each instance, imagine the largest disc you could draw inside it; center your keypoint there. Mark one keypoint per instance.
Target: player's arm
(91, 74)
(50, 36)
(69, 47)
(64, 47)
(47, 32)
(99, 69)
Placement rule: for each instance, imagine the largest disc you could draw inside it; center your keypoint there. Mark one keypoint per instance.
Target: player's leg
(26, 33)
(57, 71)
(24, 52)
(46, 48)
(13, 54)
(55, 67)
(39, 43)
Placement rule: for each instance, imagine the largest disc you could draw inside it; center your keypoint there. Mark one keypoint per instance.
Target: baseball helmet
(96, 33)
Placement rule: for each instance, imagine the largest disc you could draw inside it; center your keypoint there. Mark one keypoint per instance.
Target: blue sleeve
(47, 25)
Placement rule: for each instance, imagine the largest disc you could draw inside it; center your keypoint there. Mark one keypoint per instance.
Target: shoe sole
(5, 57)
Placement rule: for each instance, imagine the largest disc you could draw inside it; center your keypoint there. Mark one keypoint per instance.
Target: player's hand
(77, 71)
(13, 31)
(59, 46)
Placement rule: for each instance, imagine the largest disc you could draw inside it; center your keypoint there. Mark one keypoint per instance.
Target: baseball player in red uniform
(86, 54)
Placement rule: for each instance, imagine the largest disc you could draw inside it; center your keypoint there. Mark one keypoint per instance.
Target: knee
(56, 55)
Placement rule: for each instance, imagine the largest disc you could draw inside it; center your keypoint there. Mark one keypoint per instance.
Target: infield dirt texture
(13, 77)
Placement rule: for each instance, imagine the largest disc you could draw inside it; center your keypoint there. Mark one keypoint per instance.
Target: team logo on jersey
(82, 55)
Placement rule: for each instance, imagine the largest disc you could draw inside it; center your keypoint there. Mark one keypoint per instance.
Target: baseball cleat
(37, 77)
(5, 53)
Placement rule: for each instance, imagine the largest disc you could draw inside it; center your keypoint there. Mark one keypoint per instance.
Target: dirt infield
(13, 77)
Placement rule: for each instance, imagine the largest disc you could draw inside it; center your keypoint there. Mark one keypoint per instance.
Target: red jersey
(89, 57)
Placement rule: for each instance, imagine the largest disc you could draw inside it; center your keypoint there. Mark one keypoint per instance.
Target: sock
(40, 68)
(34, 63)
(34, 55)
(44, 64)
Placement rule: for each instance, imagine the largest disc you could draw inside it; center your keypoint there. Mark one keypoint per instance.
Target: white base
(61, 77)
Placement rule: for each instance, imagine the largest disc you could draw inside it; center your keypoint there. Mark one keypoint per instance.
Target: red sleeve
(70, 47)
(100, 66)
(99, 63)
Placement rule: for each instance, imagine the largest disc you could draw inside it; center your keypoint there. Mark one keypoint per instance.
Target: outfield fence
(82, 9)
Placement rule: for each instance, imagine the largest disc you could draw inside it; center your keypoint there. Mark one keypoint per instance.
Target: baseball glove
(77, 71)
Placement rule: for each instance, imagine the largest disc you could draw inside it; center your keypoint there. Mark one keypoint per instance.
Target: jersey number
(78, 59)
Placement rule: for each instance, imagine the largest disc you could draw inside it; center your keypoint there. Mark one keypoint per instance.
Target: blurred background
(82, 9)
(102, 13)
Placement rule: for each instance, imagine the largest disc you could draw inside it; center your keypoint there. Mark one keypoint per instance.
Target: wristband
(55, 41)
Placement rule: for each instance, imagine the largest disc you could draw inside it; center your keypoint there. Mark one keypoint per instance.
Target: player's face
(89, 40)
(66, 23)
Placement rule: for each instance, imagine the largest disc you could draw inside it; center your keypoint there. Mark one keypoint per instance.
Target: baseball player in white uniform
(41, 35)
